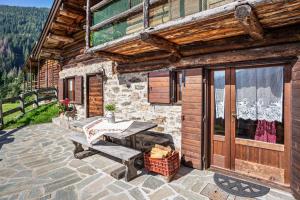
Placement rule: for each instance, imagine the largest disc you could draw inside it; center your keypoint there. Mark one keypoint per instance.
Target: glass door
(248, 121)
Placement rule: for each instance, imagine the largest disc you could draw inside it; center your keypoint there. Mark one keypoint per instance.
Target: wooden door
(245, 136)
(95, 95)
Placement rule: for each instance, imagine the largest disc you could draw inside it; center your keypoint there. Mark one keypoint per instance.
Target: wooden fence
(39, 95)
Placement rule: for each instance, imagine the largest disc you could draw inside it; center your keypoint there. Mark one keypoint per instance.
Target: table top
(135, 128)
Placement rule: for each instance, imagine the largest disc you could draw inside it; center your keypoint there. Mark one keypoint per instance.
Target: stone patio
(36, 162)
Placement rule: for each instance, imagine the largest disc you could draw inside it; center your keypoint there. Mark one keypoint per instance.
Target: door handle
(234, 115)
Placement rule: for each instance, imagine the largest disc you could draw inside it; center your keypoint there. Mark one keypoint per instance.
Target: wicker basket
(165, 166)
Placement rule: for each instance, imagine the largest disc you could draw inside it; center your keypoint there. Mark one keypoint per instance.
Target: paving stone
(213, 192)
(88, 180)
(25, 173)
(66, 194)
(59, 173)
(146, 190)
(12, 188)
(198, 186)
(137, 194)
(95, 187)
(188, 194)
(114, 188)
(14, 197)
(7, 172)
(76, 163)
(87, 170)
(123, 185)
(48, 168)
(100, 195)
(57, 184)
(121, 196)
(161, 193)
(179, 198)
(153, 183)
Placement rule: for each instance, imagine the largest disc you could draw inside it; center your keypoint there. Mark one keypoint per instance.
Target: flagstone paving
(36, 162)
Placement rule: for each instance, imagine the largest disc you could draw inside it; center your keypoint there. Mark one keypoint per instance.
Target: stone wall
(129, 92)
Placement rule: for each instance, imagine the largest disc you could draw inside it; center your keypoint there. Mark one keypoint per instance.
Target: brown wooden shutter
(295, 168)
(192, 118)
(78, 90)
(159, 87)
(61, 89)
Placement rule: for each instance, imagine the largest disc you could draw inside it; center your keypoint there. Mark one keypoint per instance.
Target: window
(165, 87)
(71, 89)
(178, 86)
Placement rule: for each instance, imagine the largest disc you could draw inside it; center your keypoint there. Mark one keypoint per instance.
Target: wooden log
(61, 38)
(100, 5)
(113, 56)
(146, 9)
(70, 14)
(67, 27)
(128, 13)
(247, 18)
(52, 51)
(275, 51)
(142, 66)
(88, 24)
(276, 36)
(161, 43)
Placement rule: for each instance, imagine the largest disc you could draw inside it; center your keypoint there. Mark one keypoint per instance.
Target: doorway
(94, 95)
(250, 121)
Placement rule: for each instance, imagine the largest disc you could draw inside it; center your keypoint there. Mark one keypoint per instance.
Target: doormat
(240, 187)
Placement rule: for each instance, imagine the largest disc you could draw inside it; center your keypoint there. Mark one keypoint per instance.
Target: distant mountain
(20, 28)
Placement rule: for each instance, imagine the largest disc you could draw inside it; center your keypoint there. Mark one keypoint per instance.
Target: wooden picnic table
(135, 128)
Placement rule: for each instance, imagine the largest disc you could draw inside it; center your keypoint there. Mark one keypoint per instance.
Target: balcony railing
(111, 20)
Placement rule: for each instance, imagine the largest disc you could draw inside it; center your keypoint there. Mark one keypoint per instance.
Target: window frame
(67, 89)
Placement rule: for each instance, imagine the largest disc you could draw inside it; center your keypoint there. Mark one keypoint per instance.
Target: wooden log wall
(48, 74)
(295, 162)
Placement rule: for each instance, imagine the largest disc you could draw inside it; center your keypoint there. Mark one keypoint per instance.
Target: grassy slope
(43, 114)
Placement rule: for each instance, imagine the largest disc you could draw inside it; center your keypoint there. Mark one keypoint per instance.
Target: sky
(27, 3)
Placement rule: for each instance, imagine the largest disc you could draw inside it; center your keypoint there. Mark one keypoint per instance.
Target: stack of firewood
(159, 151)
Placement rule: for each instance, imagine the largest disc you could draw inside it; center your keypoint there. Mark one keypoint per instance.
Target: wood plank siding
(159, 87)
(295, 169)
(95, 95)
(48, 74)
(192, 113)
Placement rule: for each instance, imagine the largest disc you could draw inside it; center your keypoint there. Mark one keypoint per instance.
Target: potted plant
(110, 112)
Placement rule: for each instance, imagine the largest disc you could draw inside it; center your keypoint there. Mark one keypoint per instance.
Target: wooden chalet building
(221, 77)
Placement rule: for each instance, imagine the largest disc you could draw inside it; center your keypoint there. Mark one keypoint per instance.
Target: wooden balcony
(165, 31)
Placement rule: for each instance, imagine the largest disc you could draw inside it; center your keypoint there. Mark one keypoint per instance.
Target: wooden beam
(113, 56)
(88, 24)
(161, 43)
(275, 36)
(67, 27)
(74, 9)
(146, 9)
(51, 51)
(100, 5)
(140, 67)
(128, 13)
(275, 51)
(61, 38)
(247, 18)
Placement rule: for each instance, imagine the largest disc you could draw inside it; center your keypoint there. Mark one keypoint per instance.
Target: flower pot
(110, 116)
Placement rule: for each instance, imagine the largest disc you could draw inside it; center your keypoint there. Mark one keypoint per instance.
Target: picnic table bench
(125, 154)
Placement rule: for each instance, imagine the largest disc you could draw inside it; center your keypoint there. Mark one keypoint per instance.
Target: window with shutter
(159, 87)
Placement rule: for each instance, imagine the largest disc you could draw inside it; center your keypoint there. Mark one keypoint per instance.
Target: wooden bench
(125, 154)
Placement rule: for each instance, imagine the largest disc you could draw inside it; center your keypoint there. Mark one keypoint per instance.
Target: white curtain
(259, 93)
(219, 84)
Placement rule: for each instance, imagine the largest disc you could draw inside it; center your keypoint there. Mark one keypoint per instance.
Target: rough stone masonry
(130, 94)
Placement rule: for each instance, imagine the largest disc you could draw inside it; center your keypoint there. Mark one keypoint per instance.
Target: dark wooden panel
(78, 89)
(192, 118)
(95, 96)
(61, 89)
(295, 158)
